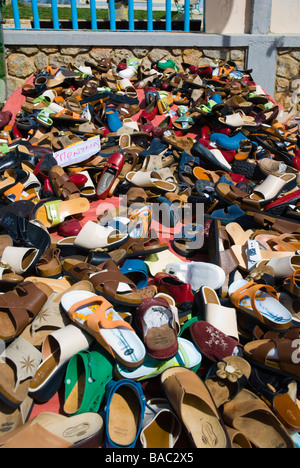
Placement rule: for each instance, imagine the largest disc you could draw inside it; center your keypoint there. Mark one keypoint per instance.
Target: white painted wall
(228, 16)
(285, 17)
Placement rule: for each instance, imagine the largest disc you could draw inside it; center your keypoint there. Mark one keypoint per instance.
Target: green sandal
(87, 375)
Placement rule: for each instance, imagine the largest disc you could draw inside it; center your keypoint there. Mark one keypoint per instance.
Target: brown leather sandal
(148, 246)
(61, 185)
(49, 264)
(109, 282)
(19, 307)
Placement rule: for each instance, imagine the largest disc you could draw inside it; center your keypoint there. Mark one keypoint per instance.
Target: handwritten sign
(79, 152)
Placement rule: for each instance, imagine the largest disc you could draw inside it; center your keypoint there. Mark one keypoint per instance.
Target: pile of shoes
(152, 284)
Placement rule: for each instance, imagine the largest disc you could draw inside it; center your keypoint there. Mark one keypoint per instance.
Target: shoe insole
(202, 423)
(159, 432)
(124, 416)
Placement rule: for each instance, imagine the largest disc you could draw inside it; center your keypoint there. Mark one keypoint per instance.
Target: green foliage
(64, 13)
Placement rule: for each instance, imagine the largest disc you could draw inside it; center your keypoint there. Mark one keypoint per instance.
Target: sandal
(19, 307)
(180, 143)
(250, 415)
(277, 353)
(161, 427)
(293, 284)
(51, 430)
(195, 407)
(57, 349)
(53, 212)
(261, 303)
(96, 316)
(95, 236)
(51, 316)
(15, 376)
(227, 378)
(280, 394)
(49, 264)
(188, 356)
(125, 409)
(108, 282)
(150, 179)
(61, 184)
(143, 247)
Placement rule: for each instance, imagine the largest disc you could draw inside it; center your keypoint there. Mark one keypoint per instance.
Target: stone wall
(287, 91)
(22, 62)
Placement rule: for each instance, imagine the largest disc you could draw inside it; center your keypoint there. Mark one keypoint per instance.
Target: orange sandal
(293, 284)
(97, 316)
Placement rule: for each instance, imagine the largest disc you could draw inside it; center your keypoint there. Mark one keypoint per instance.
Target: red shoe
(150, 112)
(47, 189)
(288, 199)
(205, 133)
(181, 292)
(71, 227)
(78, 179)
(108, 178)
(296, 161)
(237, 178)
(159, 347)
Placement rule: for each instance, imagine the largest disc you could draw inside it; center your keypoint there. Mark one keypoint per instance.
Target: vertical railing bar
(55, 14)
(204, 15)
(93, 9)
(187, 6)
(16, 14)
(74, 15)
(168, 16)
(149, 15)
(112, 16)
(131, 14)
(35, 14)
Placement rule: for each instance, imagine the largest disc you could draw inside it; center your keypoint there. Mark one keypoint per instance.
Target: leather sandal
(19, 307)
(49, 264)
(108, 282)
(61, 184)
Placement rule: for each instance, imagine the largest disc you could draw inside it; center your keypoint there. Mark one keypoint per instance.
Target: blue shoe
(137, 271)
(124, 413)
(113, 119)
(229, 215)
(228, 142)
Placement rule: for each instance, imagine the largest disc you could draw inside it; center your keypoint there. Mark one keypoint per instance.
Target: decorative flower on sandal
(229, 372)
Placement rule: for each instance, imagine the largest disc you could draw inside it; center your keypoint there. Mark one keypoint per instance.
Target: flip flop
(53, 212)
(96, 315)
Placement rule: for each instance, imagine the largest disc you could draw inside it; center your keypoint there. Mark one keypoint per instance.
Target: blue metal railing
(170, 21)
